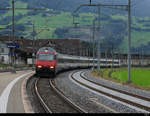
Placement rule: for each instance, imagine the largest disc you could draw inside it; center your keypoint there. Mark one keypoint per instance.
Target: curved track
(52, 99)
(46, 108)
(139, 102)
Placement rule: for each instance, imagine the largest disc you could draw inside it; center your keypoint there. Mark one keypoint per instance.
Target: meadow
(140, 77)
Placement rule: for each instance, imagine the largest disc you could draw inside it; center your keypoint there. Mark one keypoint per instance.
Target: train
(49, 61)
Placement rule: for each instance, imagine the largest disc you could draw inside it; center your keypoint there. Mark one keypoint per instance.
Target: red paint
(47, 64)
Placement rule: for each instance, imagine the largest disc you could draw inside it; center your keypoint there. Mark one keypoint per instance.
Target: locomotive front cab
(45, 64)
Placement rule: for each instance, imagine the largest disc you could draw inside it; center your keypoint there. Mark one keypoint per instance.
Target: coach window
(55, 57)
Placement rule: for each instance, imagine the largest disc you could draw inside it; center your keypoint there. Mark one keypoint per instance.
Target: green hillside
(59, 23)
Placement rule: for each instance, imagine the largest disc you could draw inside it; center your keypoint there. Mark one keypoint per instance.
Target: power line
(136, 3)
(58, 4)
(13, 26)
(119, 7)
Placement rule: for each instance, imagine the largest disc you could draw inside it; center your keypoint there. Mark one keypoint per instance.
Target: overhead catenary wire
(58, 4)
(137, 3)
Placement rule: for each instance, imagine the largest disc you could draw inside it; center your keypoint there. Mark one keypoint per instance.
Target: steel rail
(112, 110)
(112, 96)
(46, 108)
(114, 89)
(60, 93)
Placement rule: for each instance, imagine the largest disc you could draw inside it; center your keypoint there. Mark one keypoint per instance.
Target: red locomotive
(46, 61)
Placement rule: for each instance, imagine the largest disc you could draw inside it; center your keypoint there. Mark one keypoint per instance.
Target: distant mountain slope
(59, 21)
(139, 7)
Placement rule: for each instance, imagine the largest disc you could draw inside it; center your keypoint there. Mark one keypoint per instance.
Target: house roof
(26, 45)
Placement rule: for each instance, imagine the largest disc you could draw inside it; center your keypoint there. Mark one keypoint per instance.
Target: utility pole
(98, 48)
(93, 43)
(13, 19)
(13, 28)
(119, 7)
(119, 59)
(33, 45)
(98, 55)
(129, 41)
(13, 36)
(106, 56)
(112, 56)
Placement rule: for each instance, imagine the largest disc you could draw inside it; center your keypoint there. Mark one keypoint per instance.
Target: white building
(4, 51)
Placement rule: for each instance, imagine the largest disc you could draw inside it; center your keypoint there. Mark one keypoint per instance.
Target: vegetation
(139, 76)
(59, 21)
(3, 65)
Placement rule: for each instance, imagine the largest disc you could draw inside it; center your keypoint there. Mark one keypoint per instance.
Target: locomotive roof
(47, 49)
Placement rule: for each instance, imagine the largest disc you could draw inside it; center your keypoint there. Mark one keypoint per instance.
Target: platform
(11, 91)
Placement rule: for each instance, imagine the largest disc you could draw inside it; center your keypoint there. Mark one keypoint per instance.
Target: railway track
(52, 99)
(45, 107)
(136, 102)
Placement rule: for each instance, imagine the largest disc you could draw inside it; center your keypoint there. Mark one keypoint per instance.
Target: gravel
(33, 97)
(77, 94)
(86, 99)
(90, 102)
(52, 99)
(117, 85)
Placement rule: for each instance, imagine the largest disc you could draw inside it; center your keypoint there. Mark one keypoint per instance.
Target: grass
(3, 65)
(64, 19)
(118, 17)
(137, 39)
(139, 76)
(19, 4)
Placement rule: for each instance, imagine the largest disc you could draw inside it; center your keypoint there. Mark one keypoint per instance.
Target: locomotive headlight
(51, 66)
(39, 66)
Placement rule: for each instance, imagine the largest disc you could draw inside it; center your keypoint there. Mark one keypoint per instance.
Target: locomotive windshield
(46, 57)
